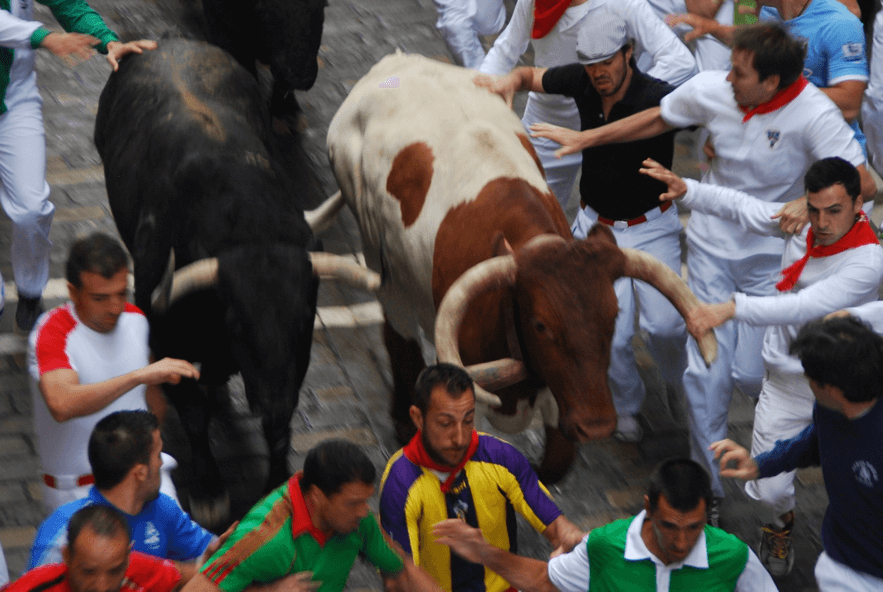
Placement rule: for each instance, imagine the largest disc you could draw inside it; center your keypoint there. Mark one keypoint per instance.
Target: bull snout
(595, 428)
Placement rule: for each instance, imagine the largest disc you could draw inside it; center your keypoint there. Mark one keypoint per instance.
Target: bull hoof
(213, 514)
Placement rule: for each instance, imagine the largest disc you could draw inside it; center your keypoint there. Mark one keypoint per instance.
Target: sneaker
(628, 429)
(776, 553)
(714, 511)
(27, 312)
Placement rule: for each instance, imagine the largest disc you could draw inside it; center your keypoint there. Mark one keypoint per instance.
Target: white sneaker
(628, 429)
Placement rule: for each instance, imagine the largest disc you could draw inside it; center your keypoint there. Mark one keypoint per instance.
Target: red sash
(780, 99)
(545, 14)
(415, 453)
(859, 235)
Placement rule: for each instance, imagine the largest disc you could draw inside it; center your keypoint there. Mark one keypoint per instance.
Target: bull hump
(410, 178)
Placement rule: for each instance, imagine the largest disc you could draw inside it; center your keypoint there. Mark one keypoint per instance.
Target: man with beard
(99, 558)
(124, 451)
(607, 87)
(449, 470)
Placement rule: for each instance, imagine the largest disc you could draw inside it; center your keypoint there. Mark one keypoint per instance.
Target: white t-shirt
(61, 340)
(765, 156)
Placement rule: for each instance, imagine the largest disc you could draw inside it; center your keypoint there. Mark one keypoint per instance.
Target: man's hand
(728, 451)
(793, 216)
(676, 186)
(701, 25)
(216, 544)
(706, 317)
(72, 48)
(167, 370)
(837, 314)
(116, 50)
(464, 540)
(505, 86)
(298, 582)
(571, 141)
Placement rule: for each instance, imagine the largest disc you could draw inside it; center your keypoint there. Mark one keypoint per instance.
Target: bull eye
(539, 326)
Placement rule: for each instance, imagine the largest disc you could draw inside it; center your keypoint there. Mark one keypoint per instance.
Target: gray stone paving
(346, 390)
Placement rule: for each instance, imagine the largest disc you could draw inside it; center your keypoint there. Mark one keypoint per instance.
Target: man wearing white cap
(607, 86)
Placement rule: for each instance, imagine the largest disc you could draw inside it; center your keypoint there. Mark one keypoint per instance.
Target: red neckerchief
(300, 514)
(859, 235)
(415, 453)
(780, 99)
(545, 14)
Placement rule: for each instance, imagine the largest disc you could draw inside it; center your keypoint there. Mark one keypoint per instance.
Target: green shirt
(277, 538)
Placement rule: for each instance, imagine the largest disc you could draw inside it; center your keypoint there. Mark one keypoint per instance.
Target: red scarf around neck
(545, 14)
(416, 453)
(779, 100)
(859, 235)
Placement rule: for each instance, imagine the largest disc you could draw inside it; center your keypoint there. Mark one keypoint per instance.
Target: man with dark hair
(836, 263)
(99, 558)
(668, 546)
(89, 358)
(765, 136)
(124, 452)
(843, 360)
(307, 533)
(449, 470)
(607, 86)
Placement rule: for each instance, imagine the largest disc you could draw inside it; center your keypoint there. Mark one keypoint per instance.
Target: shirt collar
(300, 515)
(779, 100)
(636, 550)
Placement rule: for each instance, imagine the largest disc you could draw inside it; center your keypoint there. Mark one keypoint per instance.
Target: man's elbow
(58, 410)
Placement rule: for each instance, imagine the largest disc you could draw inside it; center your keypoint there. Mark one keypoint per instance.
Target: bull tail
(322, 217)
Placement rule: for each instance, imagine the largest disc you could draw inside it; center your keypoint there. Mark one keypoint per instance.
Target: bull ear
(501, 245)
(603, 232)
(600, 246)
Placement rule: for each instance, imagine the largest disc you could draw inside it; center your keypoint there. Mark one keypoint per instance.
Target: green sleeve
(377, 549)
(38, 36)
(76, 16)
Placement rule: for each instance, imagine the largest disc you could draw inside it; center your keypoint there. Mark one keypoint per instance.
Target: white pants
(24, 192)
(462, 21)
(663, 325)
(55, 498)
(560, 172)
(872, 103)
(833, 576)
(739, 362)
(783, 410)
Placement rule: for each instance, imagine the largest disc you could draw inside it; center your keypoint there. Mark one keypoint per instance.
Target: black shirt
(611, 184)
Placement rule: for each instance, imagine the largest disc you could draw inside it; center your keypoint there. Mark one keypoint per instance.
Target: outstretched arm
(519, 79)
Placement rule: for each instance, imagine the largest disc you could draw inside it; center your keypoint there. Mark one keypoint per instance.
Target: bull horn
(159, 299)
(644, 267)
(190, 278)
(487, 275)
(322, 217)
(328, 265)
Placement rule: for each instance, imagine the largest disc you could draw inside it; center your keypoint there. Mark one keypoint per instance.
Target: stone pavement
(347, 386)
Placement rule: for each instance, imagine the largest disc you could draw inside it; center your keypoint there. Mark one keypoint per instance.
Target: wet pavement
(347, 388)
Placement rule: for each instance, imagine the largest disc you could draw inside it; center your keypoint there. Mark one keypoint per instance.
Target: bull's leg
(559, 455)
(283, 103)
(277, 431)
(209, 501)
(406, 360)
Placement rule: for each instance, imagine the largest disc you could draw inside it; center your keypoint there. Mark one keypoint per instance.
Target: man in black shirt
(607, 86)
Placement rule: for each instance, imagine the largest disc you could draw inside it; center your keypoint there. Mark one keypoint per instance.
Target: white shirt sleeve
(672, 61)
(512, 42)
(755, 578)
(685, 105)
(829, 135)
(16, 33)
(871, 313)
(737, 206)
(570, 572)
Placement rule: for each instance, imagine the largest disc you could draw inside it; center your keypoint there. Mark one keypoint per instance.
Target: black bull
(182, 134)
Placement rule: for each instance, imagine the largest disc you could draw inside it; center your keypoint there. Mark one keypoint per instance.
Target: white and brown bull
(443, 181)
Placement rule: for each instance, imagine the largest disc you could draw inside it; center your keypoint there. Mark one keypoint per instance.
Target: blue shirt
(835, 45)
(161, 529)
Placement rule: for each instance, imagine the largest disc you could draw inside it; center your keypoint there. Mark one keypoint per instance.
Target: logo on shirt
(151, 535)
(773, 136)
(852, 52)
(865, 473)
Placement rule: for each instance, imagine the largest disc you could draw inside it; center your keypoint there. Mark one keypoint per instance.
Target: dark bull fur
(285, 34)
(182, 134)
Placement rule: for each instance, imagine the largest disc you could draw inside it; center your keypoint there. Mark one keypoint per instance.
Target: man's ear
(140, 472)
(416, 417)
(647, 504)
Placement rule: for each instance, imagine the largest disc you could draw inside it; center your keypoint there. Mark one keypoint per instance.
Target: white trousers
(462, 21)
(783, 410)
(560, 172)
(739, 362)
(658, 319)
(833, 576)
(24, 192)
(872, 102)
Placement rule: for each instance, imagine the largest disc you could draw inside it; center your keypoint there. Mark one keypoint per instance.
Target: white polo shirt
(61, 340)
(827, 284)
(765, 156)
